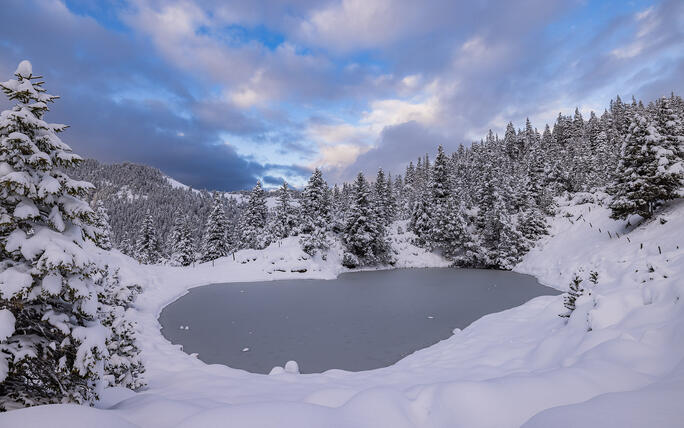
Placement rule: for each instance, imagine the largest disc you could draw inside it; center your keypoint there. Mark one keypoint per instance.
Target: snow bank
(618, 358)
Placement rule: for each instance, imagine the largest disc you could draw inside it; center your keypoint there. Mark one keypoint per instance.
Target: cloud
(349, 85)
(124, 106)
(397, 145)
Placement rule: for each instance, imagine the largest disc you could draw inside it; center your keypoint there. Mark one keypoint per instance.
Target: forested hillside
(484, 205)
(130, 191)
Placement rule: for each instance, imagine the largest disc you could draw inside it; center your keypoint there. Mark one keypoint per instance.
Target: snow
(6, 324)
(618, 360)
(624, 409)
(25, 209)
(24, 69)
(292, 367)
(13, 281)
(178, 185)
(126, 193)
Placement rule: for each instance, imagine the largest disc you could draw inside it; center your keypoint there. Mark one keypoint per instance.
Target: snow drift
(618, 359)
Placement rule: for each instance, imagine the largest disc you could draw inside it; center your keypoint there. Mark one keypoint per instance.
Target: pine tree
(462, 246)
(315, 213)
(420, 222)
(668, 145)
(575, 292)
(52, 344)
(254, 220)
(214, 242)
(104, 230)
(284, 217)
(364, 236)
(380, 198)
(182, 249)
(123, 367)
(649, 171)
(499, 237)
(409, 190)
(532, 224)
(147, 246)
(440, 193)
(511, 142)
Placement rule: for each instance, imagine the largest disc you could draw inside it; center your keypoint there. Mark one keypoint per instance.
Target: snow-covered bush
(575, 292)
(349, 260)
(123, 367)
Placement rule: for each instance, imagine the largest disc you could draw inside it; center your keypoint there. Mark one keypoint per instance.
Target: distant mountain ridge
(129, 190)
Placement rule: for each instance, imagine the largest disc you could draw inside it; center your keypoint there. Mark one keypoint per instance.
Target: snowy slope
(524, 365)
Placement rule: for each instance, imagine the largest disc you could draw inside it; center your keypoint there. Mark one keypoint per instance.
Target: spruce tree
(147, 249)
(124, 366)
(379, 198)
(52, 344)
(649, 171)
(181, 247)
(364, 236)
(315, 215)
(104, 230)
(440, 221)
(668, 146)
(214, 242)
(253, 222)
(284, 217)
(500, 239)
(462, 246)
(420, 222)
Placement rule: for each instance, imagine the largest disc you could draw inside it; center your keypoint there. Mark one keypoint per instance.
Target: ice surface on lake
(361, 321)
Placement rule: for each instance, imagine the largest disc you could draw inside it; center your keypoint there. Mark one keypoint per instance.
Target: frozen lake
(361, 321)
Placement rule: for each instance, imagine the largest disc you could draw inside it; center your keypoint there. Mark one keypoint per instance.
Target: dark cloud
(136, 87)
(397, 146)
(88, 66)
(272, 181)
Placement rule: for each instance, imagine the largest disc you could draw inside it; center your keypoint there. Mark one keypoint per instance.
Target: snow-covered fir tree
(181, 247)
(500, 240)
(254, 220)
(284, 218)
(420, 222)
(214, 242)
(440, 233)
(52, 343)
(364, 235)
(147, 249)
(123, 367)
(650, 168)
(315, 215)
(104, 230)
(381, 195)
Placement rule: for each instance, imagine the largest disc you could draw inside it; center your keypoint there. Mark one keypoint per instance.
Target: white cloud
(352, 23)
(647, 22)
(339, 156)
(340, 144)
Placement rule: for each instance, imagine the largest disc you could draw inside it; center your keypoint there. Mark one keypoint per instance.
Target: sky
(218, 94)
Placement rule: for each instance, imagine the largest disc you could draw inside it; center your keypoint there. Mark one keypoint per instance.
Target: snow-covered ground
(619, 360)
